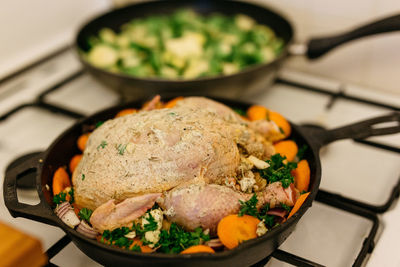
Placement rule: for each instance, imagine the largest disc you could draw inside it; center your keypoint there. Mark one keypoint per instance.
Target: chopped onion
(215, 244)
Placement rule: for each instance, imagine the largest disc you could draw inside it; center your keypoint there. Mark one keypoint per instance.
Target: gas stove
(353, 220)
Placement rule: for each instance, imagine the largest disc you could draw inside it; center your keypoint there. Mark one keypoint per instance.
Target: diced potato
(244, 22)
(107, 35)
(195, 68)
(103, 56)
(230, 68)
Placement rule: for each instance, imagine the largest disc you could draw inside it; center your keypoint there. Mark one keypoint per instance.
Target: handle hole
(384, 125)
(26, 189)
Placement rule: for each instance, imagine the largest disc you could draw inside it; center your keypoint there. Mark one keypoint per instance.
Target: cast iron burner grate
(337, 201)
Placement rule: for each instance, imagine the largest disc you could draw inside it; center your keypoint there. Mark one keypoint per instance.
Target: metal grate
(337, 201)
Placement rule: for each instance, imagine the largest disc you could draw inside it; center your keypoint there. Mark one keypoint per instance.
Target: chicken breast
(158, 150)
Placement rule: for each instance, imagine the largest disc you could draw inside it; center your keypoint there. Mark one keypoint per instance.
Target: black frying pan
(248, 253)
(247, 82)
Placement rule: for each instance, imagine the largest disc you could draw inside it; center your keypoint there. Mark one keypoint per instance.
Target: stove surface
(327, 234)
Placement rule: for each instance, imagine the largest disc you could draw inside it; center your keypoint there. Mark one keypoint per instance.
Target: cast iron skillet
(248, 253)
(247, 82)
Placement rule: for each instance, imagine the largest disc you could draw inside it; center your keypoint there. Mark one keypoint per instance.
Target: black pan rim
(161, 256)
(188, 82)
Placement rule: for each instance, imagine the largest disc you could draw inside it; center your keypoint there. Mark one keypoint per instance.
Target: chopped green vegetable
(176, 239)
(286, 207)
(121, 149)
(278, 171)
(59, 198)
(240, 111)
(71, 194)
(183, 45)
(85, 214)
(98, 124)
(83, 177)
(249, 207)
(301, 152)
(102, 145)
(117, 237)
(136, 248)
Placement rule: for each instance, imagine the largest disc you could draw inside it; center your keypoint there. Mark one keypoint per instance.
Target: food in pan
(187, 176)
(184, 45)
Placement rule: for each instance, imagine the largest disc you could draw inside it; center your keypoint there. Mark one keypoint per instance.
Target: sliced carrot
(302, 175)
(125, 112)
(82, 140)
(198, 249)
(172, 102)
(298, 204)
(286, 148)
(60, 181)
(257, 112)
(280, 121)
(145, 249)
(233, 229)
(74, 162)
(76, 209)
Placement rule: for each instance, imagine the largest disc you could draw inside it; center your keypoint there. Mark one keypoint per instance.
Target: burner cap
(28, 180)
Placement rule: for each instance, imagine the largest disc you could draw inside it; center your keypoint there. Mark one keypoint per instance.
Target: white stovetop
(325, 235)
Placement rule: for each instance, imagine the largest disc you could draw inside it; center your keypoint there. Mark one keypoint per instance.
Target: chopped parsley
(286, 207)
(172, 113)
(281, 130)
(136, 248)
(85, 214)
(83, 177)
(249, 208)
(176, 239)
(151, 225)
(121, 149)
(239, 111)
(102, 145)
(278, 171)
(60, 198)
(301, 152)
(98, 124)
(117, 237)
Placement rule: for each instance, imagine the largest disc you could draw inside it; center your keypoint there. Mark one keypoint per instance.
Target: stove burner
(28, 180)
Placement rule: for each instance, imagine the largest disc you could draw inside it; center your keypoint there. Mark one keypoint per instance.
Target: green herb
(303, 192)
(121, 149)
(83, 177)
(239, 111)
(176, 239)
(102, 145)
(249, 207)
(117, 237)
(278, 171)
(59, 198)
(71, 194)
(301, 152)
(286, 207)
(172, 113)
(85, 214)
(98, 124)
(281, 130)
(136, 248)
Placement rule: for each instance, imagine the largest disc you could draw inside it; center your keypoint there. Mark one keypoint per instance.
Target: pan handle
(319, 46)
(360, 130)
(39, 212)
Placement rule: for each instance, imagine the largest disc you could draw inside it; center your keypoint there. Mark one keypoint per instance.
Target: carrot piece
(257, 112)
(60, 181)
(302, 175)
(198, 249)
(76, 209)
(280, 121)
(125, 112)
(298, 204)
(172, 102)
(233, 229)
(82, 140)
(145, 249)
(286, 148)
(74, 162)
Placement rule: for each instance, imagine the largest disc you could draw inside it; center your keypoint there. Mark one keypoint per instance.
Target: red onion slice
(277, 212)
(86, 230)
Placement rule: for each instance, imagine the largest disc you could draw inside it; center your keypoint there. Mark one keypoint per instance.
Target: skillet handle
(320, 46)
(39, 212)
(359, 130)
